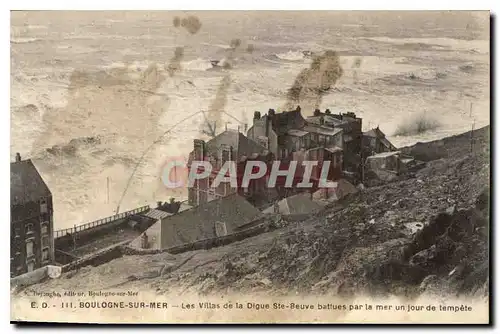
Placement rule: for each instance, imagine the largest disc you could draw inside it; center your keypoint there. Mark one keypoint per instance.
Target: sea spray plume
(191, 23)
(219, 103)
(216, 108)
(312, 83)
(175, 63)
(355, 65)
(235, 43)
(177, 22)
(214, 115)
(116, 105)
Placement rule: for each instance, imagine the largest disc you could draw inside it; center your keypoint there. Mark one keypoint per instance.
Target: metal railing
(99, 222)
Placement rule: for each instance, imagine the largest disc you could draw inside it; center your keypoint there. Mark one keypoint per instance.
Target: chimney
(18, 157)
(328, 112)
(159, 204)
(317, 112)
(271, 112)
(298, 109)
(246, 127)
(256, 115)
(321, 120)
(199, 149)
(225, 154)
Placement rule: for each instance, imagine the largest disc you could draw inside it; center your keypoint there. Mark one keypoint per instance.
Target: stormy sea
(97, 96)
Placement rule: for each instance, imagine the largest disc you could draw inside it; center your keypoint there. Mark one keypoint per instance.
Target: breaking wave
(198, 64)
(291, 55)
(28, 110)
(23, 40)
(71, 148)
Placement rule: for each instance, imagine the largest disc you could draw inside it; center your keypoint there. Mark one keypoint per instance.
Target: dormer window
(43, 206)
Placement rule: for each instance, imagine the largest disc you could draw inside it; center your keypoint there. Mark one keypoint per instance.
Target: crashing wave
(198, 64)
(28, 109)
(292, 55)
(23, 40)
(74, 145)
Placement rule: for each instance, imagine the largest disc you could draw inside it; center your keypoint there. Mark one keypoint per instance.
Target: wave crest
(291, 55)
(23, 40)
(198, 64)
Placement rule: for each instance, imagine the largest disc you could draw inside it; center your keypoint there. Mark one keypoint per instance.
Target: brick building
(290, 137)
(229, 145)
(351, 126)
(375, 142)
(31, 222)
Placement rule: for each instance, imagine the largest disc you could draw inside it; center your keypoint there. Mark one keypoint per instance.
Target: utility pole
(107, 188)
(74, 238)
(472, 137)
(470, 110)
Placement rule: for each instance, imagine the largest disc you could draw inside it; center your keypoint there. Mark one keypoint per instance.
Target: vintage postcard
(250, 167)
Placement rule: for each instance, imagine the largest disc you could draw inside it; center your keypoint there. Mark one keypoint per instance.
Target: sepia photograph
(221, 167)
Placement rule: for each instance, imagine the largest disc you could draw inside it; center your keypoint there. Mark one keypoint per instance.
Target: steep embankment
(426, 234)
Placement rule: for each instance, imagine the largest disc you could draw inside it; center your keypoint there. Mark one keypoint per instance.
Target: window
(29, 228)
(17, 232)
(31, 265)
(45, 254)
(29, 248)
(220, 229)
(45, 228)
(43, 206)
(225, 156)
(45, 241)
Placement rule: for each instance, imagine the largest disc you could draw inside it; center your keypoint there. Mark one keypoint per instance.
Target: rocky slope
(424, 234)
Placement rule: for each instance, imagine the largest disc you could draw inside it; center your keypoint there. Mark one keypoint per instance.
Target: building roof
(198, 222)
(287, 120)
(342, 189)
(26, 184)
(387, 143)
(328, 119)
(333, 149)
(156, 214)
(295, 205)
(242, 145)
(375, 132)
(322, 130)
(384, 155)
(296, 133)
